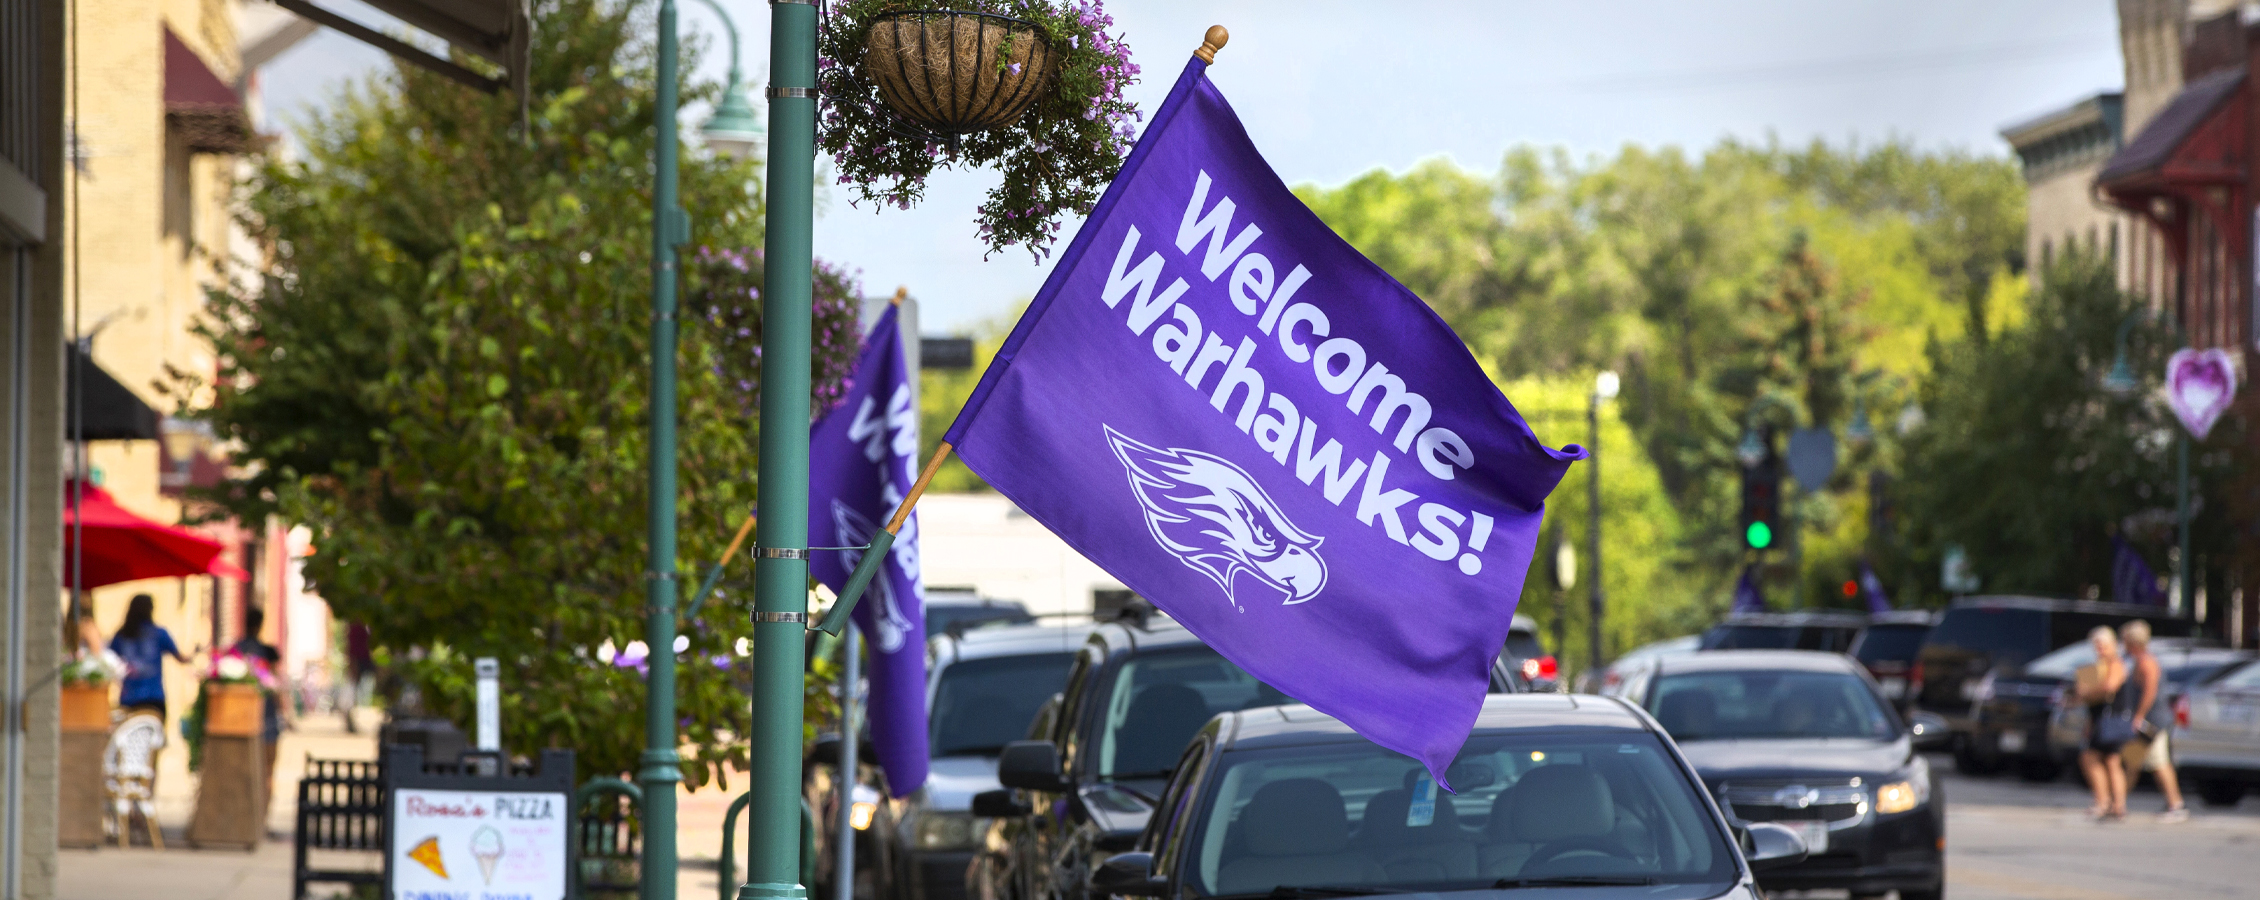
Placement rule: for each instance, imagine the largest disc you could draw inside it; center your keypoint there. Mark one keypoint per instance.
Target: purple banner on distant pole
(1228, 408)
(1749, 597)
(863, 457)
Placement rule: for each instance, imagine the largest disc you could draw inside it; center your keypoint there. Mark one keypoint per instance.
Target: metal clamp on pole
(782, 552)
(796, 618)
(805, 93)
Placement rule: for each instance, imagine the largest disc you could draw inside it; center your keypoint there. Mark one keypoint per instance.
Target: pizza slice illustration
(426, 851)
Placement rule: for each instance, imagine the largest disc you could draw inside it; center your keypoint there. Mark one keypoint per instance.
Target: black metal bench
(611, 850)
(341, 806)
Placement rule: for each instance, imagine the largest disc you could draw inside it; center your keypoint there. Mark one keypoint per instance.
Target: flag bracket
(782, 552)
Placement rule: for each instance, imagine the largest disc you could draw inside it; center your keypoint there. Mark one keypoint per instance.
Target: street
(2009, 839)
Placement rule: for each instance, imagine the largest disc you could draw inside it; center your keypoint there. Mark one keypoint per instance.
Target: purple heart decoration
(2199, 386)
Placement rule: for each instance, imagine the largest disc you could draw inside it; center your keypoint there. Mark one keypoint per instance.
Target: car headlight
(1908, 792)
(945, 831)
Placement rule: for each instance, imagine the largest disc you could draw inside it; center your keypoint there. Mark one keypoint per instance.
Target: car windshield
(1889, 642)
(1699, 706)
(982, 704)
(1161, 699)
(1524, 645)
(1531, 810)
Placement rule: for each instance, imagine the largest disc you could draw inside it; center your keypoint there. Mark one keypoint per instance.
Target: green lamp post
(733, 129)
(661, 766)
(781, 565)
(2122, 381)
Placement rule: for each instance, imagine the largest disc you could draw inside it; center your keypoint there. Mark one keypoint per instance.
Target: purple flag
(1748, 596)
(2132, 579)
(1225, 406)
(1872, 586)
(863, 457)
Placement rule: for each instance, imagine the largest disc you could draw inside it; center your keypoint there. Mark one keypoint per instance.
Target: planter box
(233, 710)
(86, 708)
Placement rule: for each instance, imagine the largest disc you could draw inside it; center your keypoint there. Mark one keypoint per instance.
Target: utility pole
(781, 563)
(1604, 388)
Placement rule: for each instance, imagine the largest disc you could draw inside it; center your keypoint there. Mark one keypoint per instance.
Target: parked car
(2217, 749)
(2180, 660)
(1888, 647)
(1552, 792)
(983, 688)
(1084, 782)
(1998, 636)
(1806, 740)
(957, 611)
(1527, 653)
(1816, 630)
(1621, 676)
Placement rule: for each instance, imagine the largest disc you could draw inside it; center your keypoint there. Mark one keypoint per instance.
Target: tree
(444, 374)
(2027, 463)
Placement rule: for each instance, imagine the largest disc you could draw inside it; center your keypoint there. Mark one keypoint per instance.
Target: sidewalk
(180, 873)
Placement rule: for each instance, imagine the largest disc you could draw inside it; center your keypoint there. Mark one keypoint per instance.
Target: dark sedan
(1805, 740)
(1557, 796)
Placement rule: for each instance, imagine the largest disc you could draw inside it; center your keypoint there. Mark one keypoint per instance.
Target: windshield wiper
(1574, 881)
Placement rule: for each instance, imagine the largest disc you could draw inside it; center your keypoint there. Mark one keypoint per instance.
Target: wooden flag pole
(714, 575)
(1212, 42)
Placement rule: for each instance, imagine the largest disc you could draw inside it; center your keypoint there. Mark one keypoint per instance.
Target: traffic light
(1761, 501)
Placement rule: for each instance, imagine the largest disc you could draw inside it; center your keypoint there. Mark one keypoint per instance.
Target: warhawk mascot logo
(1212, 515)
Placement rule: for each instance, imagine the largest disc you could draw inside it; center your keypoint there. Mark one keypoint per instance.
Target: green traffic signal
(1759, 534)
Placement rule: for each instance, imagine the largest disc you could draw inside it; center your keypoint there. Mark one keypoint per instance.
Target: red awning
(203, 107)
(121, 546)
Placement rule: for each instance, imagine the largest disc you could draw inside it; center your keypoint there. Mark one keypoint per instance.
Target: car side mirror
(1928, 731)
(1128, 875)
(1000, 805)
(1030, 765)
(1770, 846)
(826, 750)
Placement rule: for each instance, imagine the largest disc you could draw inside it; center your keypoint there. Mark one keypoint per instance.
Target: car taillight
(1914, 678)
(1548, 667)
(2181, 711)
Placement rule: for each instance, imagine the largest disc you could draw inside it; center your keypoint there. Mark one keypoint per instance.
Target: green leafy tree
(2027, 463)
(445, 375)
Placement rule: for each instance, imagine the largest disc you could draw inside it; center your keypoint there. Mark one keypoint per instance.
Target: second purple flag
(861, 456)
(1228, 408)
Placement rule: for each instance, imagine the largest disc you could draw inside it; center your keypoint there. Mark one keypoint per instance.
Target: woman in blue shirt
(144, 645)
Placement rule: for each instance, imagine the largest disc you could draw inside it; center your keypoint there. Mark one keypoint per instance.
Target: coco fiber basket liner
(954, 72)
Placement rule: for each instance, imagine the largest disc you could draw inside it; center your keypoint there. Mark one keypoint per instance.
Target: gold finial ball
(1211, 42)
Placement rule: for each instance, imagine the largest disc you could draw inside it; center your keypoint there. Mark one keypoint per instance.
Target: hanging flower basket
(954, 73)
(1031, 87)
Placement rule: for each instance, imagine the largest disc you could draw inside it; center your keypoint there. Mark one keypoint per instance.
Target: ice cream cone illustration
(426, 851)
(486, 845)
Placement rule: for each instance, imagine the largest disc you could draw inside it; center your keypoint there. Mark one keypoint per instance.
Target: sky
(1330, 90)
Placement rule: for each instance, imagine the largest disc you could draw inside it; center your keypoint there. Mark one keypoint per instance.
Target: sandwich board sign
(472, 837)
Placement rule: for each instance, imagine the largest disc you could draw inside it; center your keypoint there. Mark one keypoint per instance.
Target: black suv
(1888, 647)
(1831, 631)
(1083, 786)
(1969, 670)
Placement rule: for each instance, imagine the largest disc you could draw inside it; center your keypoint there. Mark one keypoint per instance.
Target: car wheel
(2220, 793)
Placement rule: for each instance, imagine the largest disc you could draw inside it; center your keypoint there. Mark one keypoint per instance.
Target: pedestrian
(2152, 721)
(2102, 686)
(360, 672)
(144, 644)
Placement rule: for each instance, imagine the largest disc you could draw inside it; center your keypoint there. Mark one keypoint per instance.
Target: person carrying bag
(2103, 686)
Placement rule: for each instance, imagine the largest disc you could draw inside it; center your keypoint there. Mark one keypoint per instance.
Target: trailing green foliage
(446, 378)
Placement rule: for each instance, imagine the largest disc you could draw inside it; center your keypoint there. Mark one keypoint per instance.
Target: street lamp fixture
(2121, 380)
(734, 129)
(1752, 450)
